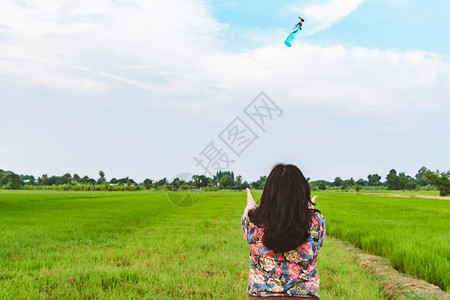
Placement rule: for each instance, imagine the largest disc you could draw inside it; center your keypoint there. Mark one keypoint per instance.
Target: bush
(441, 180)
(410, 186)
(357, 187)
(428, 187)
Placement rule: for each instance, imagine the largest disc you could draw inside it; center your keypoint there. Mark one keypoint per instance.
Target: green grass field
(106, 245)
(139, 245)
(412, 233)
(434, 193)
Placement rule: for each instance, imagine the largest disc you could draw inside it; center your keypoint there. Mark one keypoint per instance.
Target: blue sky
(399, 24)
(138, 89)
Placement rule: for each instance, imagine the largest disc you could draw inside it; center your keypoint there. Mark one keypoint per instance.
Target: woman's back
(291, 273)
(285, 234)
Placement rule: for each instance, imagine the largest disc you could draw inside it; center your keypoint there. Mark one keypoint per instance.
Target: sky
(147, 89)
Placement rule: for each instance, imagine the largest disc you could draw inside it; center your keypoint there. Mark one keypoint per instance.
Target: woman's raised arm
(250, 202)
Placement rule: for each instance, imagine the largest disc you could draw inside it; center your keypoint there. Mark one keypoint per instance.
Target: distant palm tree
(102, 176)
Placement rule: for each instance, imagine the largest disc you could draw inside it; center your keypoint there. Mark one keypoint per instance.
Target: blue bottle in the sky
(290, 39)
(295, 31)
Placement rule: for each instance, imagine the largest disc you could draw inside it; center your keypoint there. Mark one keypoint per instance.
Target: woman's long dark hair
(283, 211)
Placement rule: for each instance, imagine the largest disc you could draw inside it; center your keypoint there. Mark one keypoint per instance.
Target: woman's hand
(250, 202)
(313, 200)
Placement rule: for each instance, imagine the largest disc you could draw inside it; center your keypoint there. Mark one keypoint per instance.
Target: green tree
(441, 180)
(123, 181)
(176, 183)
(201, 181)
(319, 183)
(53, 180)
(226, 181)
(410, 185)
(421, 177)
(337, 181)
(238, 183)
(374, 180)
(402, 180)
(147, 183)
(31, 180)
(162, 181)
(346, 184)
(260, 183)
(12, 181)
(86, 179)
(42, 179)
(351, 182)
(361, 182)
(406, 181)
(66, 178)
(393, 180)
(220, 174)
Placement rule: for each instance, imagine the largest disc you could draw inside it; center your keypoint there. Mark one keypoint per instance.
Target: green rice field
(412, 233)
(128, 245)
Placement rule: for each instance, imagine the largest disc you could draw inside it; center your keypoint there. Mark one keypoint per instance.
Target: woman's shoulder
(318, 219)
(318, 214)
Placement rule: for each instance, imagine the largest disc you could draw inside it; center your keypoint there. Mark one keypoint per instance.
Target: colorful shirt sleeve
(248, 228)
(321, 230)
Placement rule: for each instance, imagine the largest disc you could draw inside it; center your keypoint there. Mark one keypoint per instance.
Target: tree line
(221, 180)
(425, 179)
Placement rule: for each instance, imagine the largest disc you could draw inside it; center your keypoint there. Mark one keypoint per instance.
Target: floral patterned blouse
(291, 273)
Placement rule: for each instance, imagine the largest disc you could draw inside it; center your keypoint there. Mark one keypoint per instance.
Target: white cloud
(311, 74)
(173, 48)
(323, 15)
(59, 39)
